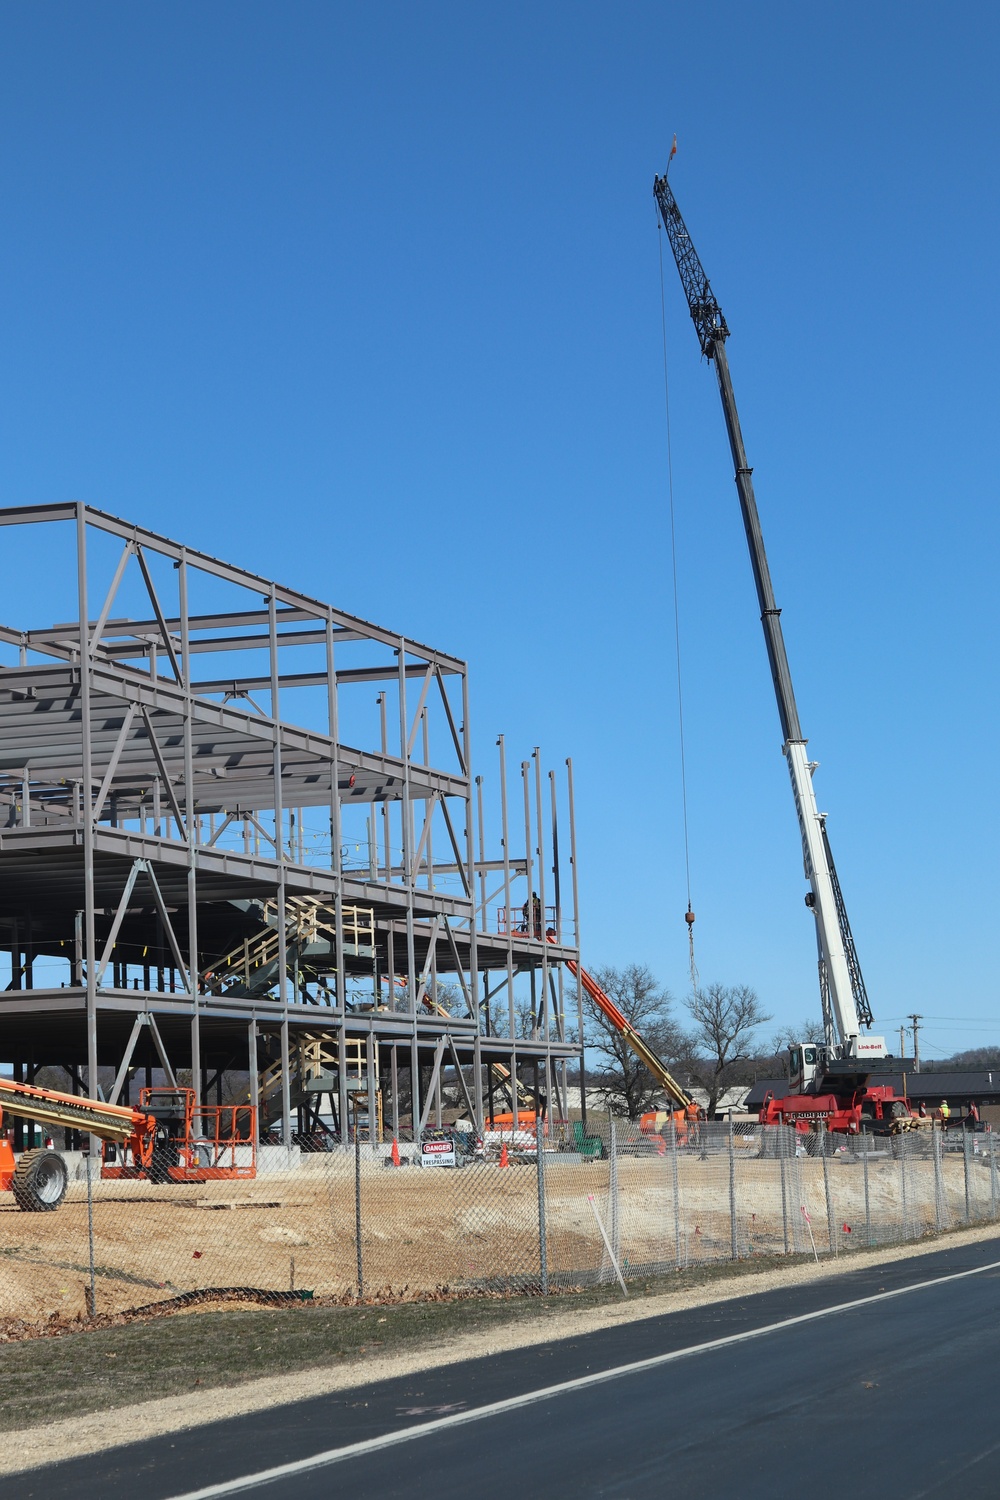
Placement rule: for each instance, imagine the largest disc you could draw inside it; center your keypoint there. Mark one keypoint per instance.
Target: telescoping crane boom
(842, 1065)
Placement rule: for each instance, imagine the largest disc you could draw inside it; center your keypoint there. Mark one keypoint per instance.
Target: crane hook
(689, 919)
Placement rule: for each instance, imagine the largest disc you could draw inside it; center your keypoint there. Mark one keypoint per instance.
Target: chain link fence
(446, 1214)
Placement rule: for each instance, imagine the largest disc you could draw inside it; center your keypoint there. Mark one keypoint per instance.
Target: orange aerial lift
(684, 1110)
(191, 1142)
(167, 1139)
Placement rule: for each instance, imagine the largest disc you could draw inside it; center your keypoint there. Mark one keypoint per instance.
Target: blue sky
(368, 298)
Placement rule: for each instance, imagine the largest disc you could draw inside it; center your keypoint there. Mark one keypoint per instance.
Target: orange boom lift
(167, 1139)
(686, 1110)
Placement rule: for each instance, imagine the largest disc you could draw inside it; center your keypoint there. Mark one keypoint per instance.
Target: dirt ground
(476, 1228)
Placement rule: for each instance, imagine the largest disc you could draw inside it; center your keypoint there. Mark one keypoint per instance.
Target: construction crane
(168, 1138)
(840, 1067)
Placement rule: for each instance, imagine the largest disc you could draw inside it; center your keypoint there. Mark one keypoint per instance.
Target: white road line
(546, 1393)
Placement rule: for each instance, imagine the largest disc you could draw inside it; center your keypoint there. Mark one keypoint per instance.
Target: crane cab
(806, 1062)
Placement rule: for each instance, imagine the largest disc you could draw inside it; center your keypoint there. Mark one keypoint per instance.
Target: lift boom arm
(632, 1039)
(840, 972)
(111, 1122)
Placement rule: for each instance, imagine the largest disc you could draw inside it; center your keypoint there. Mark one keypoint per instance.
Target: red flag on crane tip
(673, 150)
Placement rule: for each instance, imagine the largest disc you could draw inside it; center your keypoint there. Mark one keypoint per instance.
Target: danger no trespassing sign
(437, 1154)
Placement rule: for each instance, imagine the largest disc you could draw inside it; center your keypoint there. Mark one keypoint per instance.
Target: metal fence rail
(413, 1219)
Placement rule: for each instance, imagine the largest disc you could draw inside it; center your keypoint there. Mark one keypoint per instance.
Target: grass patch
(87, 1369)
(84, 1368)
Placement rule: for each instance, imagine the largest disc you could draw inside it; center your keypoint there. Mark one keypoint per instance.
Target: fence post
(966, 1139)
(92, 1288)
(613, 1187)
(357, 1206)
(993, 1179)
(903, 1201)
(939, 1204)
(824, 1145)
(868, 1205)
(782, 1146)
(677, 1194)
(733, 1241)
(543, 1254)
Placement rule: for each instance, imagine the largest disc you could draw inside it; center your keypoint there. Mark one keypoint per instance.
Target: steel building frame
(163, 821)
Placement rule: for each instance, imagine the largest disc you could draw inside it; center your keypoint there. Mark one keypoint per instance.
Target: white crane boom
(844, 999)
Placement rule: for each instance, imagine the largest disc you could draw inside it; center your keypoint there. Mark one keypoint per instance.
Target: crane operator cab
(805, 1061)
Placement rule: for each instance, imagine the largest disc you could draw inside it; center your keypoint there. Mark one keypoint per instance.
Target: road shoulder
(99, 1431)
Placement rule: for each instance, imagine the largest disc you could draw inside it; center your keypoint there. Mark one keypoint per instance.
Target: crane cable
(689, 914)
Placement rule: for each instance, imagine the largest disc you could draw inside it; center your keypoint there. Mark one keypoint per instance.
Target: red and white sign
(437, 1154)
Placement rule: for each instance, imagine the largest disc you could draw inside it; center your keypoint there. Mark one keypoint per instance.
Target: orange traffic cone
(395, 1152)
(503, 1154)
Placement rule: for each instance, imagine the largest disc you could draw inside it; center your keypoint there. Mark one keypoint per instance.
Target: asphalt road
(892, 1397)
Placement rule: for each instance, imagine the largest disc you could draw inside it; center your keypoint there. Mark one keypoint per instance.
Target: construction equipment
(828, 1082)
(874, 1108)
(686, 1111)
(166, 1139)
(38, 1179)
(191, 1142)
(527, 1104)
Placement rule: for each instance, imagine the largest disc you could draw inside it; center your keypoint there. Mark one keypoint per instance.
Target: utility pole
(916, 1043)
(902, 1043)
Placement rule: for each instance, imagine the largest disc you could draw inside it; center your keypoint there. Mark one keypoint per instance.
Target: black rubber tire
(40, 1181)
(163, 1158)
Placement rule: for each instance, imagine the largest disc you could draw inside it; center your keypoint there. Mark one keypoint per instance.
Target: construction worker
(945, 1113)
(532, 912)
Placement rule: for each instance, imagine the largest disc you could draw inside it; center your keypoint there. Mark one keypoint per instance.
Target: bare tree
(445, 997)
(618, 1074)
(809, 1031)
(773, 1060)
(725, 1018)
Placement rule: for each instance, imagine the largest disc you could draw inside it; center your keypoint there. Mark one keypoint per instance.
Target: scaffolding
(200, 869)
